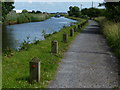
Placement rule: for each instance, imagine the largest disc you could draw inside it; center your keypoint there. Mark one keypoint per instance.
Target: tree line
(111, 11)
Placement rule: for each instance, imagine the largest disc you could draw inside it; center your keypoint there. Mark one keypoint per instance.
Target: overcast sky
(58, 1)
(54, 5)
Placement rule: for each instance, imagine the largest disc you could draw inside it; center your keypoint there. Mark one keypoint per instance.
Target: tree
(6, 8)
(33, 11)
(74, 11)
(38, 12)
(93, 12)
(112, 11)
(24, 11)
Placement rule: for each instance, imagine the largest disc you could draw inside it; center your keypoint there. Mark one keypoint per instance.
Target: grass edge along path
(111, 31)
(16, 67)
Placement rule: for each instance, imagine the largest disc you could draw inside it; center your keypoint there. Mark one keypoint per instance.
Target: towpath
(88, 63)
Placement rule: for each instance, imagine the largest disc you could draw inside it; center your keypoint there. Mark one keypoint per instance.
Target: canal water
(14, 35)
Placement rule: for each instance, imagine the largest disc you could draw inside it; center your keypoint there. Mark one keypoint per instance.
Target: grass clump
(111, 30)
(16, 67)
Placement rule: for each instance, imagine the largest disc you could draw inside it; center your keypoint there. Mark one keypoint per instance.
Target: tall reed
(16, 18)
(111, 30)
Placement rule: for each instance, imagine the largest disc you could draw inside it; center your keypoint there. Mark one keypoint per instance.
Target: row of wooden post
(35, 63)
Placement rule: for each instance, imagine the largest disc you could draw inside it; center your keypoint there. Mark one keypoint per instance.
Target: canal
(14, 35)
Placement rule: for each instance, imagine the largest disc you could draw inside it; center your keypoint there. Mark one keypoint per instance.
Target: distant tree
(24, 11)
(37, 12)
(93, 12)
(33, 11)
(6, 8)
(74, 11)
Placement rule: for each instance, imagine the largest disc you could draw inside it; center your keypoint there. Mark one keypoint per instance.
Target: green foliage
(24, 11)
(8, 52)
(93, 12)
(6, 8)
(16, 68)
(111, 30)
(74, 11)
(38, 12)
(14, 18)
(113, 11)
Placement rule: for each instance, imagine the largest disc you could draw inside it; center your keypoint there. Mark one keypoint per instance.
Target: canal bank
(16, 64)
(15, 35)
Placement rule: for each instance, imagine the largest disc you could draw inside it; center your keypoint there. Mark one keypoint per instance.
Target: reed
(17, 18)
(111, 31)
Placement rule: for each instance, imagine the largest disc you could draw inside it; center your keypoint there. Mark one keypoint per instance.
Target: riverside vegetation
(16, 66)
(111, 31)
(17, 18)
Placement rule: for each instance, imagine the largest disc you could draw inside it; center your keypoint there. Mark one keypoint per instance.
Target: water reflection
(14, 35)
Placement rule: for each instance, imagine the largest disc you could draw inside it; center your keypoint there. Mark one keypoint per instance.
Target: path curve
(88, 63)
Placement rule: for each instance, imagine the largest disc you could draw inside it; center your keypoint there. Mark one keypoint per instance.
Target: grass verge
(16, 67)
(111, 31)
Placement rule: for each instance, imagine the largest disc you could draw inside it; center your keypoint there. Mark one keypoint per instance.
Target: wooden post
(79, 26)
(71, 32)
(75, 29)
(35, 70)
(65, 37)
(54, 48)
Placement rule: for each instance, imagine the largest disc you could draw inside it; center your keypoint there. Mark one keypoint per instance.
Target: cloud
(58, 1)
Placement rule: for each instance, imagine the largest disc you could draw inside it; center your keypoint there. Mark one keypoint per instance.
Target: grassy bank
(111, 30)
(16, 67)
(17, 18)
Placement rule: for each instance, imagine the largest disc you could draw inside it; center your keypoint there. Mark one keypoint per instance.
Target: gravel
(88, 63)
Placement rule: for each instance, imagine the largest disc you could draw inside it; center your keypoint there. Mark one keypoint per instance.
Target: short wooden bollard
(75, 29)
(71, 32)
(65, 37)
(78, 29)
(35, 70)
(54, 48)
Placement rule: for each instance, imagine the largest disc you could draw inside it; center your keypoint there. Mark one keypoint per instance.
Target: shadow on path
(88, 63)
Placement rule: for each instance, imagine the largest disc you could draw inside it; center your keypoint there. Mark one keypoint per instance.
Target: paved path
(88, 63)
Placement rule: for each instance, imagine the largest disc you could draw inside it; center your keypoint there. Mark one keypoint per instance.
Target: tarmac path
(88, 63)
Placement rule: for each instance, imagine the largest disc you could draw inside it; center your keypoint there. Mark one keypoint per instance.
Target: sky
(58, 0)
(52, 7)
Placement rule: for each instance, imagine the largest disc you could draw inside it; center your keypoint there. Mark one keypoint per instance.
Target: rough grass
(16, 67)
(17, 18)
(111, 30)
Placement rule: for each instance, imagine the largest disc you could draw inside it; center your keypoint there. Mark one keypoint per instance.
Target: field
(16, 67)
(111, 31)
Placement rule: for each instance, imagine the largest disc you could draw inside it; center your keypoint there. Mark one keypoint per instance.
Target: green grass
(111, 31)
(17, 18)
(0, 71)
(16, 67)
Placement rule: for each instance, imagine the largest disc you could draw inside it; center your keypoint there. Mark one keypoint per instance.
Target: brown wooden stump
(34, 70)
(54, 46)
(71, 32)
(65, 37)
